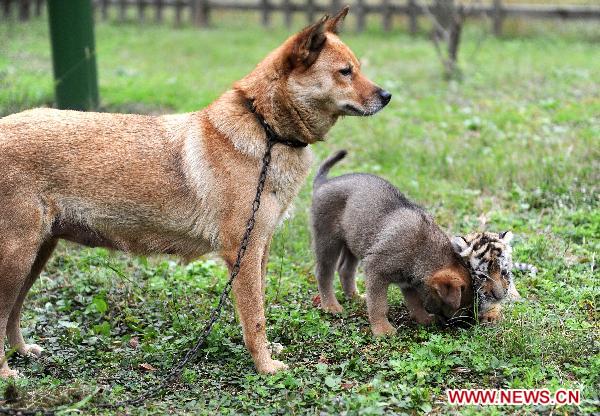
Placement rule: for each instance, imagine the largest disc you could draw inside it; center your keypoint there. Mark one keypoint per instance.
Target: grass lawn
(517, 142)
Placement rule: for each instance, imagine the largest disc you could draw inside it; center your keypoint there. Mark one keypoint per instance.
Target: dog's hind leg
(347, 265)
(327, 251)
(15, 337)
(20, 239)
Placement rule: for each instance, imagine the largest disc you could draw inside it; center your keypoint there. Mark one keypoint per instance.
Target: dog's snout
(385, 96)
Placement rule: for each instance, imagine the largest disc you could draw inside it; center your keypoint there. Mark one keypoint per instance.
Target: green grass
(518, 140)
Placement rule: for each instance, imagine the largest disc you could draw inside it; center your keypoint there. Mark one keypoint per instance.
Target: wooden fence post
(498, 17)
(123, 10)
(104, 9)
(158, 17)
(287, 11)
(178, 12)
(200, 12)
(360, 15)
(141, 9)
(6, 8)
(38, 7)
(310, 11)
(266, 12)
(205, 13)
(24, 10)
(386, 15)
(413, 14)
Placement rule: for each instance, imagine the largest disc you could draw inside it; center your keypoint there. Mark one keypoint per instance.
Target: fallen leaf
(134, 342)
(147, 367)
(316, 301)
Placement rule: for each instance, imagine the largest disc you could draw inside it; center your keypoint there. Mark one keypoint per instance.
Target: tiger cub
(489, 258)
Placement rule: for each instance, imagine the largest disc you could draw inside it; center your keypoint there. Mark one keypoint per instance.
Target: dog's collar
(272, 136)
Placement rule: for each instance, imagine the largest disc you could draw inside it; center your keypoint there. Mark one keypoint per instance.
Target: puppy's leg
(15, 338)
(414, 304)
(249, 301)
(327, 251)
(347, 270)
(377, 305)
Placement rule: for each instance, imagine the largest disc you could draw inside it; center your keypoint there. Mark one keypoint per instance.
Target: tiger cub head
(489, 259)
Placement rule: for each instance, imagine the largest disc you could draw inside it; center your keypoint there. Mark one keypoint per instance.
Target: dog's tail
(321, 176)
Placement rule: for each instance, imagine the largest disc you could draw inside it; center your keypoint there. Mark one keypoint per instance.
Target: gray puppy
(361, 217)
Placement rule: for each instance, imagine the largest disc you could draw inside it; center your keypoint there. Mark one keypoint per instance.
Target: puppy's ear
(308, 44)
(449, 287)
(333, 25)
(506, 236)
(461, 247)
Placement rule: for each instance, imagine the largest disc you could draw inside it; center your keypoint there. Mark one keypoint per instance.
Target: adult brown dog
(178, 184)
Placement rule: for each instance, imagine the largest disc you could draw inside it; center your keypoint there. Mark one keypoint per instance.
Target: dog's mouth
(351, 110)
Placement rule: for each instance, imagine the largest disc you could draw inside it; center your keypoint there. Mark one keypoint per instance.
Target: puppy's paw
(334, 308)
(8, 373)
(383, 329)
(32, 350)
(271, 366)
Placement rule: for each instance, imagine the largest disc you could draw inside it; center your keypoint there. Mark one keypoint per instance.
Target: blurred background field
(514, 144)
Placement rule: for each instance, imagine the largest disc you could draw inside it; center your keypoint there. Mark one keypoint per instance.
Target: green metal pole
(73, 54)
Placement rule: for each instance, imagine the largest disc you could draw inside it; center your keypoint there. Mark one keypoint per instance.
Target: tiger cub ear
(506, 236)
(461, 246)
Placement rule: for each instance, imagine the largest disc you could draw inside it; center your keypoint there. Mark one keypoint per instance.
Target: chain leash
(272, 139)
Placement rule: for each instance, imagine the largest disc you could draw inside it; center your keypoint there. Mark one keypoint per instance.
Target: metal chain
(215, 312)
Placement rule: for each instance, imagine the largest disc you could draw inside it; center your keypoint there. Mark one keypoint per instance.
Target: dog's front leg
(249, 300)
(263, 265)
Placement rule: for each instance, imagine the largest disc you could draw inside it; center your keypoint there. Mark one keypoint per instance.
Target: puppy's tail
(321, 176)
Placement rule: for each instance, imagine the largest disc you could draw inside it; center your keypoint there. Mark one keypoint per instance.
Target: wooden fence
(198, 12)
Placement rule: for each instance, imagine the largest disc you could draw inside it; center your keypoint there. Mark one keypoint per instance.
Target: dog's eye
(346, 71)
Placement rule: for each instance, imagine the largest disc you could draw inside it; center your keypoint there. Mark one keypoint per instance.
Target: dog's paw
(271, 367)
(31, 350)
(8, 373)
(383, 329)
(332, 308)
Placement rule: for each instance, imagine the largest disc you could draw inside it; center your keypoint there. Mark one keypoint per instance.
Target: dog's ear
(308, 44)
(449, 287)
(333, 25)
